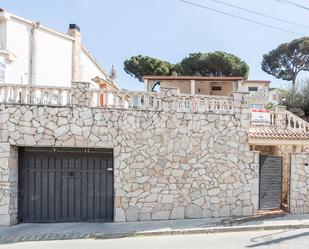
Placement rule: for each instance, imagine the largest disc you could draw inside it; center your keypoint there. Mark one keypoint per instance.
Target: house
(253, 86)
(32, 54)
(142, 156)
(222, 86)
(216, 86)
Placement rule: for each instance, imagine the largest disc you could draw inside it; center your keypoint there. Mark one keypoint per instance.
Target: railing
(274, 118)
(296, 123)
(104, 98)
(205, 103)
(288, 120)
(126, 100)
(37, 95)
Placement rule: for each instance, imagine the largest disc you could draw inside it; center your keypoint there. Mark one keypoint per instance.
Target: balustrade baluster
(59, 93)
(6, 92)
(68, 97)
(23, 95)
(98, 98)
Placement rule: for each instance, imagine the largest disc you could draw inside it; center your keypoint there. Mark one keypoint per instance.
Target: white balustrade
(205, 103)
(296, 123)
(273, 118)
(37, 95)
(289, 121)
(104, 98)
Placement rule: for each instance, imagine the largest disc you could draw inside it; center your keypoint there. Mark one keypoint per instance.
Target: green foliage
(299, 98)
(270, 106)
(202, 64)
(287, 60)
(214, 64)
(139, 66)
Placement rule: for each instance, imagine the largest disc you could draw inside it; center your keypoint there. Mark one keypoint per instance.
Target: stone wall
(8, 184)
(299, 188)
(167, 164)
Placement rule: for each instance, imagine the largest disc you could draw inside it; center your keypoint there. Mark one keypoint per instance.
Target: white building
(36, 55)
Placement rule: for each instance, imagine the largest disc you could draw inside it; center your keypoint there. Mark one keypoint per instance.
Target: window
(252, 88)
(216, 88)
(2, 71)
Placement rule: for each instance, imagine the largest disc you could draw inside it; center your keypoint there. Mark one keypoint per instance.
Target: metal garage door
(58, 185)
(270, 182)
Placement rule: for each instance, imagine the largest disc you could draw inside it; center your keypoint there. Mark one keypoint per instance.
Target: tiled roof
(257, 81)
(197, 78)
(269, 132)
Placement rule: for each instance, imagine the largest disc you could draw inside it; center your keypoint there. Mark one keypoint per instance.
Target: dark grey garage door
(270, 182)
(58, 185)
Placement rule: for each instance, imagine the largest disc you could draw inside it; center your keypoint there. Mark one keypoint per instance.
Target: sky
(114, 30)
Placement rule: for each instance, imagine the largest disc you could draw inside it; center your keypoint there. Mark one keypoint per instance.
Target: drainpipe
(32, 54)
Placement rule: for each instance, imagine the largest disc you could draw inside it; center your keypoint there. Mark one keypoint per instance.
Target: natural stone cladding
(167, 164)
(299, 192)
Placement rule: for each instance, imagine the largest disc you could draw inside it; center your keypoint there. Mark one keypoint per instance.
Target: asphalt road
(283, 239)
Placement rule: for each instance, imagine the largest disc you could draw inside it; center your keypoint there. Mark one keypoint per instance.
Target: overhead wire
(294, 4)
(241, 18)
(261, 14)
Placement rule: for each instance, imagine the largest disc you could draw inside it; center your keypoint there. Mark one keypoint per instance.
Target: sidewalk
(59, 231)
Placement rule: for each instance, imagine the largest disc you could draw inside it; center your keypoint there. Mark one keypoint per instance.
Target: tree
(214, 64)
(298, 98)
(204, 64)
(139, 66)
(287, 60)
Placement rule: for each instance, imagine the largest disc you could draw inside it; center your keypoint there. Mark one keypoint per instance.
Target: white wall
(259, 85)
(53, 56)
(18, 44)
(90, 69)
(2, 34)
(53, 59)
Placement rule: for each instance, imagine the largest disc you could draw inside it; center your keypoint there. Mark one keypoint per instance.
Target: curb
(98, 235)
(223, 230)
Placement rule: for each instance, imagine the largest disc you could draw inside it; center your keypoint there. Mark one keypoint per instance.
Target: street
(262, 239)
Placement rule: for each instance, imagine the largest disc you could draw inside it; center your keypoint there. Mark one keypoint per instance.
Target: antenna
(113, 73)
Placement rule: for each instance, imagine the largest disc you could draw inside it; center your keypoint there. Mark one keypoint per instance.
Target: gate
(270, 182)
(59, 185)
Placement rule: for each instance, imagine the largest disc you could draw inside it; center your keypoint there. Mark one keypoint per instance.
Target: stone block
(161, 215)
(5, 220)
(167, 199)
(178, 213)
(132, 214)
(193, 211)
(120, 215)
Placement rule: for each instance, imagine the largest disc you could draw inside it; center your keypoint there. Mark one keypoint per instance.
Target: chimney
(77, 67)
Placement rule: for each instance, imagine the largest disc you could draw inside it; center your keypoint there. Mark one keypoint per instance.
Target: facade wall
(285, 151)
(167, 164)
(2, 34)
(53, 59)
(260, 86)
(299, 188)
(8, 184)
(18, 43)
(90, 69)
(184, 86)
(204, 87)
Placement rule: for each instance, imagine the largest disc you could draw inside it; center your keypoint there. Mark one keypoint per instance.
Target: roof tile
(269, 132)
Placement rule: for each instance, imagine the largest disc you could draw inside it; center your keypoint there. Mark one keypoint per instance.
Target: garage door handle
(109, 169)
